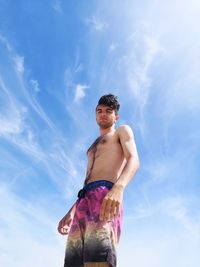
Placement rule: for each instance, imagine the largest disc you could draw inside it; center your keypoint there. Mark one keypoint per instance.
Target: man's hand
(110, 206)
(65, 223)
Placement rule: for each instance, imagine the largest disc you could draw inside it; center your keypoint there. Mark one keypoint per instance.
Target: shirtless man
(93, 224)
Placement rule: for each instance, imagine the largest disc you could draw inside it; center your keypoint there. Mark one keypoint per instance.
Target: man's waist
(92, 185)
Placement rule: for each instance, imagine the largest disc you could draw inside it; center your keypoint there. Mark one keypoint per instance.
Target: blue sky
(56, 59)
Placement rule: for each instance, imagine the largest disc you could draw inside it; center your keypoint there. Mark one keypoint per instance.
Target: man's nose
(103, 114)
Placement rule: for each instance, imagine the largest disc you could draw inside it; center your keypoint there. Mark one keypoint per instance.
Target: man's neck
(104, 131)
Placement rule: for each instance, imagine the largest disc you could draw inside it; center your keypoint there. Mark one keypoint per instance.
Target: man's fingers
(112, 210)
(117, 209)
(60, 229)
(67, 222)
(105, 209)
(64, 226)
(63, 230)
(102, 209)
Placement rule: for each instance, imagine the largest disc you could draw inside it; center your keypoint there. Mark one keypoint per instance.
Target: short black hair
(110, 101)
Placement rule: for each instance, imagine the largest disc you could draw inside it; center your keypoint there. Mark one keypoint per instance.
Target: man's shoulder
(124, 128)
(124, 132)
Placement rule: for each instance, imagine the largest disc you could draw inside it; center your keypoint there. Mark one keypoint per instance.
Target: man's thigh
(97, 264)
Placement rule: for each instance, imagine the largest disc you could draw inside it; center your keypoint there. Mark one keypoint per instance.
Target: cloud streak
(32, 225)
(18, 128)
(80, 92)
(96, 24)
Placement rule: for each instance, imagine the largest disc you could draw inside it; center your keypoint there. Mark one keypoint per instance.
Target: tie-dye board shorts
(89, 239)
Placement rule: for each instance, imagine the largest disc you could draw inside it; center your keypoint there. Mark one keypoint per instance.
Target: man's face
(105, 116)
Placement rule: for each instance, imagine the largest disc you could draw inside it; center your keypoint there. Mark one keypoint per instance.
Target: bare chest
(105, 145)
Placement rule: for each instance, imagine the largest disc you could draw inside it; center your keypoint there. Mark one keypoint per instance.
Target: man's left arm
(111, 204)
(127, 141)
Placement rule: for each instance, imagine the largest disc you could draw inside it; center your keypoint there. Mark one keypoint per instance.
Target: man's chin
(104, 125)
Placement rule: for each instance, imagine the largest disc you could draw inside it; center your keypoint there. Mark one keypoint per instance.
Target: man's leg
(97, 264)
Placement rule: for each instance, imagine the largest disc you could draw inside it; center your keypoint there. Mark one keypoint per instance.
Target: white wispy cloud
(138, 66)
(35, 85)
(176, 207)
(5, 42)
(10, 126)
(19, 64)
(14, 126)
(169, 224)
(34, 226)
(12, 116)
(80, 92)
(18, 127)
(96, 23)
(23, 82)
(160, 250)
(70, 75)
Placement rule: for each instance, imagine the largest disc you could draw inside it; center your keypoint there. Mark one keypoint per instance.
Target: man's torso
(105, 158)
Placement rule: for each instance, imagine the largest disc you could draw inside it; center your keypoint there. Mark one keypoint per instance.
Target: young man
(93, 224)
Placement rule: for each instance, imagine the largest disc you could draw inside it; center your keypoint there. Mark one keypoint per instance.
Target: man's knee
(97, 264)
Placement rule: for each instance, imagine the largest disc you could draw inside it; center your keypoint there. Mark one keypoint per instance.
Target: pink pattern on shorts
(92, 240)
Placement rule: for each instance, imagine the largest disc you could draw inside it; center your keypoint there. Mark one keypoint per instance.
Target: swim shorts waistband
(94, 185)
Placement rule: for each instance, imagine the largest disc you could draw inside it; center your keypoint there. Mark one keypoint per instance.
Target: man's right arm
(65, 222)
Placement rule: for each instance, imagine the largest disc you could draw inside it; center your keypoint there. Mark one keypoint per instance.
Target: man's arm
(65, 222)
(112, 201)
(127, 141)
